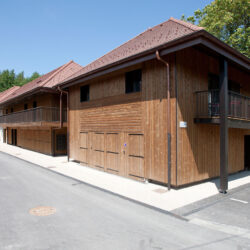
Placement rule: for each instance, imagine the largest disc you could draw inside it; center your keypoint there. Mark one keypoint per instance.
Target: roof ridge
(186, 24)
(57, 71)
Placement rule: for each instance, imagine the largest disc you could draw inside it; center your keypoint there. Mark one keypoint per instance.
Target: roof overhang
(27, 94)
(201, 37)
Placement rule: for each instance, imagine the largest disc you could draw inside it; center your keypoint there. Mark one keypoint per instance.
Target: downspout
(169, 117)
(61, 114)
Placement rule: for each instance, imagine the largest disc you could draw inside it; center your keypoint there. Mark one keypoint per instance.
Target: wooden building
(31, 116)
(171, 106)
(3, 95)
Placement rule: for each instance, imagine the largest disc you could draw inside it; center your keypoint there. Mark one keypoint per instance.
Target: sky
(41, 35)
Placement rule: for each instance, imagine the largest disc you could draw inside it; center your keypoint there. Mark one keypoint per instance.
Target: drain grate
(42, 211)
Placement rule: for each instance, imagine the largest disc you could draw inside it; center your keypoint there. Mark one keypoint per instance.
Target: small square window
(25, 106)
(84, 93)
(11, 110)
(133, 81)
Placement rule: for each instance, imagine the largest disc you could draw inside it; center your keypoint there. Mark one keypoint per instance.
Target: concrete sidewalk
(148, 193)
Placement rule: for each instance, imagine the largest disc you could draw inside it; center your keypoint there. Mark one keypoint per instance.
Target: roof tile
(153, 37)
(48, 80)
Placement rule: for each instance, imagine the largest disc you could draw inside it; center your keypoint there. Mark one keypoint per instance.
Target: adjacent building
(35, 115)
(4, 95)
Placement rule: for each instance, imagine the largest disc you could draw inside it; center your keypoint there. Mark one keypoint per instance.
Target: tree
(8, 79)
(19, 79)
(228, 20)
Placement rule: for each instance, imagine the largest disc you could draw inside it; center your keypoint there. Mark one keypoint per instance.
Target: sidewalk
(148, 193)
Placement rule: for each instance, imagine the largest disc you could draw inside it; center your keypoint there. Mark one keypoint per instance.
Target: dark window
(61, 142)
(11, 110)
(25, 106)
(84, 93)
(133, 81)
(34, 104)
(6, 111)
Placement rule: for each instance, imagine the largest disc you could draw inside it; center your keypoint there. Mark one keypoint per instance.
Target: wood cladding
(35, 139)
(154, 91)
(117, 117)
(126, 134)
(42, 140)
(198, 144)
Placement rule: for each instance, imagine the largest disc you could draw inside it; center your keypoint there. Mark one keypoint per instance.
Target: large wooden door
(115, 152)
(98, 149)
(135, 155)
(84, 147)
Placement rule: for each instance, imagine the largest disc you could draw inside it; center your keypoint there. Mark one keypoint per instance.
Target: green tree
(19, 79)
(228, 20)
(8, 79)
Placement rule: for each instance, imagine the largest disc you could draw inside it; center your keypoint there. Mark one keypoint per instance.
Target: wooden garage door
(118, 153)
(84, 147)
(135, 155)
(113, 153)
(97, 146)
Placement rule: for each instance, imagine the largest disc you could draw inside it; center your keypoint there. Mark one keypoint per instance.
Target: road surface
(89, 218)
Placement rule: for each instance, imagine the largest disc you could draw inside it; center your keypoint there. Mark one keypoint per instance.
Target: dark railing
(208, 105)
(40, 114)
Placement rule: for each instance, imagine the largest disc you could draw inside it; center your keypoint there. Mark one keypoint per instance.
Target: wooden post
(223, 126)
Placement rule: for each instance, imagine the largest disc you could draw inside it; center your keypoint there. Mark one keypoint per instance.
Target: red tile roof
(163, 33)
(8, 92)
(49, 80)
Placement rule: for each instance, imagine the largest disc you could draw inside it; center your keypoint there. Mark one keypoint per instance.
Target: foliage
(8, 79)
(228, 20)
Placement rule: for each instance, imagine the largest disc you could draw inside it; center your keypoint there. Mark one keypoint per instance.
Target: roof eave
(27, 94)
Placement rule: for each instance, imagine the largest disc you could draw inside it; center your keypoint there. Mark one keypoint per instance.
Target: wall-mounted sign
(183, 124)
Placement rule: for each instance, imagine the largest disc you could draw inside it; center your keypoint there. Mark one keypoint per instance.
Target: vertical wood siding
(198, 144)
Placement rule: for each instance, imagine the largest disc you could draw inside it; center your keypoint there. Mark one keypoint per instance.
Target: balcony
(208, 108)
(35, 116)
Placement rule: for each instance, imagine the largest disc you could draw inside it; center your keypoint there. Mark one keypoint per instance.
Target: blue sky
(40, 35)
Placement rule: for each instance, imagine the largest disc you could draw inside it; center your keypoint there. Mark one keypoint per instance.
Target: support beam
(223, 126)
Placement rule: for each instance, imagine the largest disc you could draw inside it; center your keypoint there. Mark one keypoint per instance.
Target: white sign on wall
(183, 124)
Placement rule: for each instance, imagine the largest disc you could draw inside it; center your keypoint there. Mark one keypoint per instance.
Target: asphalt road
(88, 218)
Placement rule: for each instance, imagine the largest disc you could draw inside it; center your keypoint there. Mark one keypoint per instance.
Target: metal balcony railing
(208, 105)
(39, 114)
